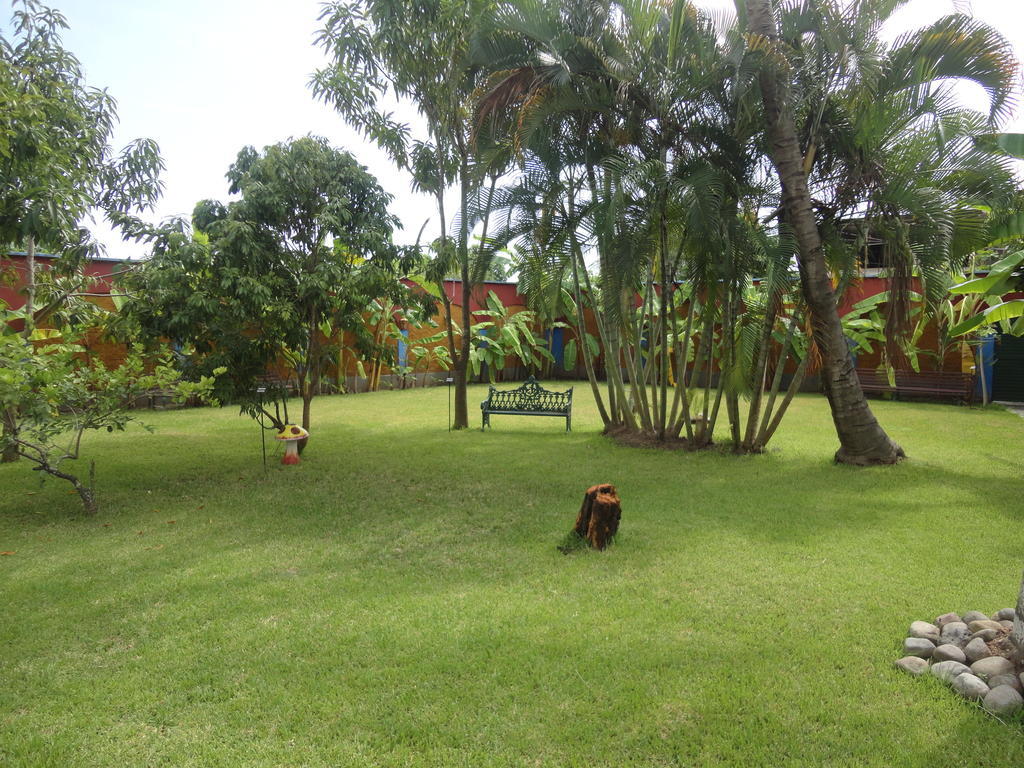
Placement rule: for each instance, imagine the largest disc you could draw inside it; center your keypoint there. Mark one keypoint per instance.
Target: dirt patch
(634, 438)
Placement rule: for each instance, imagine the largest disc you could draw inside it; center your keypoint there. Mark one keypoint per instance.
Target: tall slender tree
(419, 53)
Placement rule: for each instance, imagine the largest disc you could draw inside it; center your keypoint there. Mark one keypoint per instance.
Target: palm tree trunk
(794, 387)
(703, 359)
(760, 375)
(637, 381)
(582, 324)
(862, 440)
(461, 364)
(682, 398)
(732, 400)
(663, 306)
(780, 366)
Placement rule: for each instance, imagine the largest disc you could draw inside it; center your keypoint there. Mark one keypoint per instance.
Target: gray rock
(949, 652)
(924, 630)
(947, 671)
(1006, 614)
(946, 618)
(974, 616)
(1022, 679)
(1007, 625)
(976, 649)
(955, 633)
(970, 687)
(915, 665)
(977, 626)
(918, 646)
(991, 667)
(987, 634)
(1003, 701)
(1011, 680)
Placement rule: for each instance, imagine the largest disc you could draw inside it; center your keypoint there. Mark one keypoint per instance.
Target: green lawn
(398, 600)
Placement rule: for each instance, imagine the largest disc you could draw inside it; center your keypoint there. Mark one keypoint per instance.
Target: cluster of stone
(972, 654)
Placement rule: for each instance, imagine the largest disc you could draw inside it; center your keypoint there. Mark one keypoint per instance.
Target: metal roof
(56, 256)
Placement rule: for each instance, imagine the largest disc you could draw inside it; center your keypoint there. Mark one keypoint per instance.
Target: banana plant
(864, 324)
(1006, 315)
(504, 335)
(571, 349)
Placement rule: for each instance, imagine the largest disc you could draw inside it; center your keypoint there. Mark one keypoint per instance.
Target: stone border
(972, 654)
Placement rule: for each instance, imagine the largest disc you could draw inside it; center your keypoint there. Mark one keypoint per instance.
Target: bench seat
(919, 383)
(531, 399)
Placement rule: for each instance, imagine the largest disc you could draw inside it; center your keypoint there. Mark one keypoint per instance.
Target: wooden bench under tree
(531, 399)
(959, 386)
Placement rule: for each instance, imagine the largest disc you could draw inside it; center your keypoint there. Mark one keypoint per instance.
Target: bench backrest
(531, 396)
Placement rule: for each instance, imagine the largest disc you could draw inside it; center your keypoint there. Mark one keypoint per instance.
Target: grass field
(398, 599)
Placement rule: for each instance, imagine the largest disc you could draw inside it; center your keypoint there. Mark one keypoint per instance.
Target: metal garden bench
(531, 399)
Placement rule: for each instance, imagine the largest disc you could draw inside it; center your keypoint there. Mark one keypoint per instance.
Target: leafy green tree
(59, 395)
(420, 52)
(276, 276)
(56, 162)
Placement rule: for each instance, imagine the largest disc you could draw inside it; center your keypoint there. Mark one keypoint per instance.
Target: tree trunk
(760, 377)
(461, 365)
(307, 401)
(461, 370)
(581, 324)
(309, 377)
(759, 442)
(30, 288)
(88, 497)
(598, 520)
(1017, 635)
(10, 416)
(862, 440)
(87, 493)
(10, 431)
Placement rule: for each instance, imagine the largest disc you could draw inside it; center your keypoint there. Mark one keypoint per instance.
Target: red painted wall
(14, 270)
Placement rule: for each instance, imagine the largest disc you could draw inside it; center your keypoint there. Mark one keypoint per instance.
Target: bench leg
(568, 422)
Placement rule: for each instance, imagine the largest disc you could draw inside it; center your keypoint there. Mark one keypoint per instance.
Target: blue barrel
(985, 352)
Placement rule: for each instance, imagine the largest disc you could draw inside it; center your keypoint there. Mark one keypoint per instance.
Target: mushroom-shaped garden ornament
(290, 435)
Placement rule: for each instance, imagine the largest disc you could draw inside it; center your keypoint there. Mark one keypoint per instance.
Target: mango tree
(59, 395)
(306, 246)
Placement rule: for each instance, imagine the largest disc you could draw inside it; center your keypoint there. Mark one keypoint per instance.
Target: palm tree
(857, 125)
(654, 158)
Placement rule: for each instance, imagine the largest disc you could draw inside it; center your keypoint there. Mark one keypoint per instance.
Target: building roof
(56, 256)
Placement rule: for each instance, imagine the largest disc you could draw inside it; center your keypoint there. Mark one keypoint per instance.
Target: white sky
(206, 77)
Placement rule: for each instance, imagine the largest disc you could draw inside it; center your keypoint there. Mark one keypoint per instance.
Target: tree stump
(598, 520)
